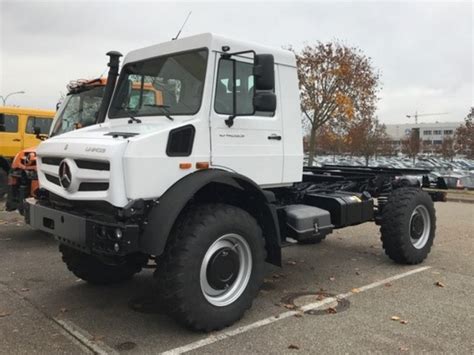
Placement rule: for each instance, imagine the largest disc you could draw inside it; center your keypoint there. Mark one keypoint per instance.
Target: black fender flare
(162, 216)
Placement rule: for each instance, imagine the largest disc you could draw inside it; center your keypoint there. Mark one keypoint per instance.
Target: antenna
(184, 23)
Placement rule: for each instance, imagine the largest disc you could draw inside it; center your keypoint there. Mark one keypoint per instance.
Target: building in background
(431, 134)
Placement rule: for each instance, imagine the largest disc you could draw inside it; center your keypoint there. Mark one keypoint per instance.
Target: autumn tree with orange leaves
(337, 84)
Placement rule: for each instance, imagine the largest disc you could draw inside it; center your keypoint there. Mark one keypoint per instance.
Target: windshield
(177, 81)
(78, 110)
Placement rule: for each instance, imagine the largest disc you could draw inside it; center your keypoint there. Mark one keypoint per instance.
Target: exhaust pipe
(113, 64)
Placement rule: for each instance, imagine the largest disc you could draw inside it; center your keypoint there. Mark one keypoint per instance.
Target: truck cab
(209, 183)
(196, 81)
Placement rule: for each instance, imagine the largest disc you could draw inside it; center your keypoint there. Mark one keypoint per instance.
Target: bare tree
(411, 144)
(366, 137)
(464, 139)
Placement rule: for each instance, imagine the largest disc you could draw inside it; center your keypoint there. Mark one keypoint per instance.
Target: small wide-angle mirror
(264, 101)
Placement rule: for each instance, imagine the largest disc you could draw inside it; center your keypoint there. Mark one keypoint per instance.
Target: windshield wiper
(165, 108)
(134, 119)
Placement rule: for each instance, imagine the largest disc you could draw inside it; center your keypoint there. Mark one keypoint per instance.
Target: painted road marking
(95, 346)
(225, 334)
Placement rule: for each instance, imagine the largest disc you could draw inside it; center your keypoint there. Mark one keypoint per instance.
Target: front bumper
(83, 233)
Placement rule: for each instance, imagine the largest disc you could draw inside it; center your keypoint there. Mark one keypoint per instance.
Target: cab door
(253, 145)
(10, 136)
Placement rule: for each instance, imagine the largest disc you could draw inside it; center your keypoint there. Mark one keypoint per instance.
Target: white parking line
(311, 306)
(95, 346)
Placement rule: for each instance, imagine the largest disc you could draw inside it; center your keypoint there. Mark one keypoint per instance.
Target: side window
(244, 89)
(8, 123)
(42, 123)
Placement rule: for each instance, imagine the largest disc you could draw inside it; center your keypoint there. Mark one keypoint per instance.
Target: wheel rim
(226, 269)
(420, 226)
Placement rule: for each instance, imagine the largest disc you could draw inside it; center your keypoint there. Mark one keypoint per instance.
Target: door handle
(275, 137)
(17, 140)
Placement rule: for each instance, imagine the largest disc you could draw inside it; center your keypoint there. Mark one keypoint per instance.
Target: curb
(457, 199)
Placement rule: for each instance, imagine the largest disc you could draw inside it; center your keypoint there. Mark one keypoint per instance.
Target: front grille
(81, 163)
(53, 179)
(94, 186)
(92, 164)
(51, 160)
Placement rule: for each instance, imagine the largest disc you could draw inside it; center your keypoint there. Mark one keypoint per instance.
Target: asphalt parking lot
(341, 296)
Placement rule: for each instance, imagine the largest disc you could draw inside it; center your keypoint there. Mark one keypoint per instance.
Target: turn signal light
(185, 165)
(202, 165)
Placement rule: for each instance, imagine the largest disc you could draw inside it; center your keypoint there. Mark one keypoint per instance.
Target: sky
(424, 50)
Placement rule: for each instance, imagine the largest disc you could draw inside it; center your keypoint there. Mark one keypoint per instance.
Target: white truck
(210, 184)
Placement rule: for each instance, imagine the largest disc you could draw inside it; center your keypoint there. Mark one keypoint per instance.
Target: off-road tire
(96, 272)
(177, 277)
(395, 225)
(312, 240)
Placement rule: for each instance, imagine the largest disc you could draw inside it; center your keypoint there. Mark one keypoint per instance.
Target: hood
(120, 129)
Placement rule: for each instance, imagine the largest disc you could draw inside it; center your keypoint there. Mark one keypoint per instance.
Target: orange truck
(79, 109)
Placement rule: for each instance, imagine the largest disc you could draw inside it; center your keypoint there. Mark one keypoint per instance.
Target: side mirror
(264, 72)
(264, 101)
(38, 135)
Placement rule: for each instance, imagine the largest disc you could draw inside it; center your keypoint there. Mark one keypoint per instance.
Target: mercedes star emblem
(65, 176)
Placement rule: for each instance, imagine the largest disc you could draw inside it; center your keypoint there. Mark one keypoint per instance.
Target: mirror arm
(230, 121)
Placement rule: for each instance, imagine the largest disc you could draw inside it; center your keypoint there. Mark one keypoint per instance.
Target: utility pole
(4, 98)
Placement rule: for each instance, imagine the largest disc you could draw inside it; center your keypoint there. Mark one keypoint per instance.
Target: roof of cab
(214, 43)
(27, 111)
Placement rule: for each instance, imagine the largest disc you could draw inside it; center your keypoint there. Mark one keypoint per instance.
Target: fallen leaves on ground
(293, 347)
(439, 284)
(404, 321)
(24, 289)
(63, 309)
(332, 278)
(289, 306)
(396, 318)
(97, 337)
(331, 310)
(388, 284)
(291, 262)
(320, 297)
(403, 348)
(278, 276)
(298, 315)
(355, 290)
(4, 314)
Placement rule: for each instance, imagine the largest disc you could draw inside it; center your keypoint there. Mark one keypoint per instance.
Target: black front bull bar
(83, 233)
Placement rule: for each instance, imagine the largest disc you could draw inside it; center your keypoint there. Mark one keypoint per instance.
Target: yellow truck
(18, 128)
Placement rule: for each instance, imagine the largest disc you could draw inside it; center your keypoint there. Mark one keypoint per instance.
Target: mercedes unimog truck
(209, 185)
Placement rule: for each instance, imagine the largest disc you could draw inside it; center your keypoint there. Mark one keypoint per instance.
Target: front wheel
(97, 272)
(212, 267)
(408, 225)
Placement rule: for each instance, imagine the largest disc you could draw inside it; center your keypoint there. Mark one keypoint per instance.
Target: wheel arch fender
(210, 185)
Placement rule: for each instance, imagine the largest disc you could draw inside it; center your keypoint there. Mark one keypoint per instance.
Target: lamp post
(4, 99)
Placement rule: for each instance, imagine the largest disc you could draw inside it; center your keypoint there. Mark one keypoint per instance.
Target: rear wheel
(212, 267)
(96, 271)
(408, 225)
